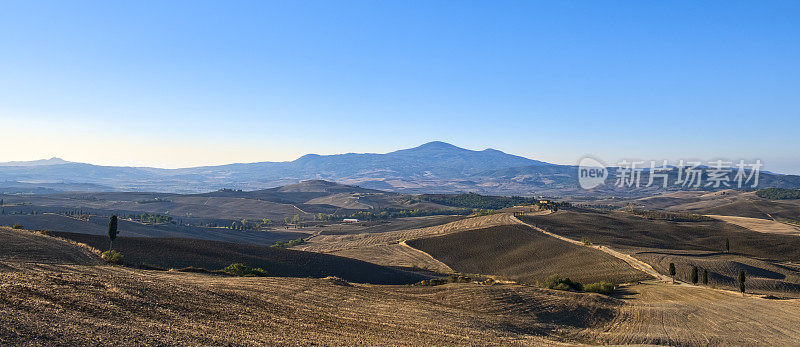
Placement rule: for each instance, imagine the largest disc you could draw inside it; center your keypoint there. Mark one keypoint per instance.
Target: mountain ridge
(431, 161)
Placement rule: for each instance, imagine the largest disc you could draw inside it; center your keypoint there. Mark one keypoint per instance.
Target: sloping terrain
(383, 246)
(763, 276)
(630, 231)
(760, 225)
(695, 316)
(99, 226)
(86, 304)
(525, 255)
(221, 207)
(769, 260)
(29, 247)
(213, 255)
(726, 203)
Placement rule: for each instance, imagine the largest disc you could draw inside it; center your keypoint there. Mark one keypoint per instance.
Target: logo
(591, 173)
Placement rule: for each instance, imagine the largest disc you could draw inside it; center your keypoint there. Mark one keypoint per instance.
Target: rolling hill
(434, 167)
(525, 255)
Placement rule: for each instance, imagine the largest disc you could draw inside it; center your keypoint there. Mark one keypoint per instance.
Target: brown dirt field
(99, 226)
(381, 247)
(396, 254)
(768, 259)
(763, 276)
(22, 246)
(726, 203)
(693, 316)
(523, 254)
(214, 255)
(629, 232)
(760, 225)
(55, 304)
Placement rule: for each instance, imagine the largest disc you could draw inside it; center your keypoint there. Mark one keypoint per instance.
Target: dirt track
(635, 263)
(383, 247)
(79, 303)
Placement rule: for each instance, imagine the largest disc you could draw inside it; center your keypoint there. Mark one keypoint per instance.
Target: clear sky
(175, 84)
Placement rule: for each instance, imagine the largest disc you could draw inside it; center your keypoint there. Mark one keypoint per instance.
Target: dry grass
(382, 247)
(763, 276)
(214, 255)
(768, 259)
(629, 232)
(523, 254)
(760, 225)
(79, 303)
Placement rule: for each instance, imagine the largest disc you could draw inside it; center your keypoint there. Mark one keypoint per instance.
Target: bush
(671, 216)
(778, 194)
(112, 257)
(16, 226)
(599, 287)
(556, 282)
(292, 243)
(445, 280)
(241, 270)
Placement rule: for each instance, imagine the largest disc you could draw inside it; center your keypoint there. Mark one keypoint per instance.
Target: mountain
(40, 162)
(432, 167)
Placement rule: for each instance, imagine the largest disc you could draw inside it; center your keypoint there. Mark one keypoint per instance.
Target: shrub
(556, 282)
(586, 241)
(458, 279)
(338, 281)
(599, 287)
(445, 280)
(112, 257)
(239, 269)
(292, 243)
(778, 193)
(671, 216)
(16, 226)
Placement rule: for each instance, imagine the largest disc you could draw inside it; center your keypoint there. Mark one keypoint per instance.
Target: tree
(672, 271)
(741, 280)
(112, 230)
(727, 245)
(705, 277)
(694, 274)
(296, 219)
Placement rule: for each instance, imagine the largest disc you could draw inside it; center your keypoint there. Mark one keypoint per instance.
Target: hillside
(429, 165)
(172, 253)
(434, 167)
(86, 303)
(99, 226)
(522, 254)
(769, 259)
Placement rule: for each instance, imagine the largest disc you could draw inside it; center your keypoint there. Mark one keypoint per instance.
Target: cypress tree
(112, 230)
(741, 280)
(705, 276)
(672, 271)
(727, 245)
(694, 274)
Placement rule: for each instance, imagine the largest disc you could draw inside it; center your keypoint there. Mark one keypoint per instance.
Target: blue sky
(174, 84)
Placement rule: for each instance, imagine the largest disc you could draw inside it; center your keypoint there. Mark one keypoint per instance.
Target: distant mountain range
(435, 167)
